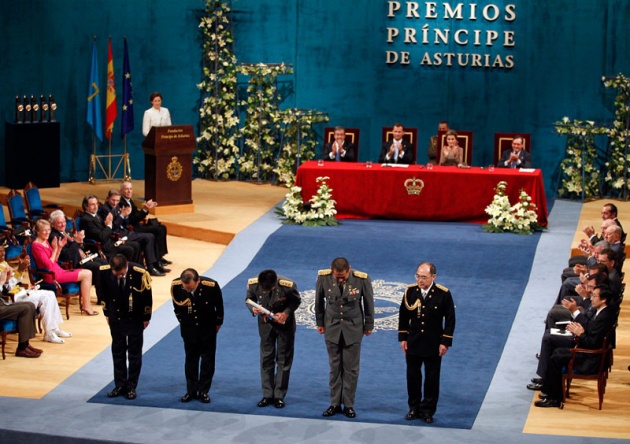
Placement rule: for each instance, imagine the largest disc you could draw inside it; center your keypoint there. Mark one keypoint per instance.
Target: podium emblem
(174, 169)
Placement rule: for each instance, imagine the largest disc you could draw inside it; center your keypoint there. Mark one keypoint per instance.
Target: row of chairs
(502, 141)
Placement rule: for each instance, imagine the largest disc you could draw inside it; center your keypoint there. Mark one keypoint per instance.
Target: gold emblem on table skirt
(414, 186)
(174, 169)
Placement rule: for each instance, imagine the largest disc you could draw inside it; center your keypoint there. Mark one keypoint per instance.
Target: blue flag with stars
(127, 103)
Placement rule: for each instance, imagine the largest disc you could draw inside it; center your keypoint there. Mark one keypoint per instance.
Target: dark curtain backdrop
(562, 49)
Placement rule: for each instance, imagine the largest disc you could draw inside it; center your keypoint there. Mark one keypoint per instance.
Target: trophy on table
(27, 110)
(34, 109)
(19, 110)
(53, 108)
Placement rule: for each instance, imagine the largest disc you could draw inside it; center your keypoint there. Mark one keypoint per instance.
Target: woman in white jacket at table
(157, 115)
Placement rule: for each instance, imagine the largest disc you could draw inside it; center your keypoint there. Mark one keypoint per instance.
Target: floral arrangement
(520, 218)
(581, 176)
(319, 211)
(218, 142)
(261, 130)
(617, 165)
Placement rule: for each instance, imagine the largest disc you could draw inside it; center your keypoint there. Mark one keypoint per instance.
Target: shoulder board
(176, 282)
(208, 283)
(139, 269)
(412, 285)
(105, 267)
(324, 272)
(441, 287)
(252, 281)
(360, 274)
(285, 283)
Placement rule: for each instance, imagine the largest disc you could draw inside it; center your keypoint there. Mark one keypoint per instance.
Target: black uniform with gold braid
(127, 310)
(425, 324)
(276, 340)
(200, 314)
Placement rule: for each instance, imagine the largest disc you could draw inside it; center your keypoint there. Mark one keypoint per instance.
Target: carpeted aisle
(487, 274)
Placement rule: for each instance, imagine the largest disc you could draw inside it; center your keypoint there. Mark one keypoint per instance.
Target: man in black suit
(426, 324)
(339, 150)
(128, 305)
(138, 215)
(120, 222)
(198, 305)
(280, 296)
(590, 337)
(613, 236)
(101, 231)
(397, 150)
(344, 312)
(517, 157)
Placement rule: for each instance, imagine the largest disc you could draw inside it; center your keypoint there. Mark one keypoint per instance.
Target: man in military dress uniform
(344, 310)
(425, 332)
(198, 304)
(127, 305)
(279, 295)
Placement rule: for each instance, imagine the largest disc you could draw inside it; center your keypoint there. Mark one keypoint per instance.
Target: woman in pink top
(46, 256)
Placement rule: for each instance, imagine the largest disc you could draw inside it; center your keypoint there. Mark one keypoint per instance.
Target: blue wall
(562, 48)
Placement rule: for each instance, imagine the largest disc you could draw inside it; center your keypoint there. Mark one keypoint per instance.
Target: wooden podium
(168, 168)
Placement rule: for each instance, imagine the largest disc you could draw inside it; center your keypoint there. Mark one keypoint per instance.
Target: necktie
(121, 284)
(338, 155)
(424, 294)
(396, 150)
(341, 288)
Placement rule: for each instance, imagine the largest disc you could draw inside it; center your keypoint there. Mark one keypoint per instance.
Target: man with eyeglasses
(571, 310)
(426, 325)
(590, 337)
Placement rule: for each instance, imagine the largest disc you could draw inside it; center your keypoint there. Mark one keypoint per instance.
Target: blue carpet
(486, 273)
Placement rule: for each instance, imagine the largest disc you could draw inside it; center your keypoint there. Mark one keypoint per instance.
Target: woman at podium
(157, 115)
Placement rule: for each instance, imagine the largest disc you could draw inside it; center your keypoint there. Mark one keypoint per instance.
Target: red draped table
(445, 193)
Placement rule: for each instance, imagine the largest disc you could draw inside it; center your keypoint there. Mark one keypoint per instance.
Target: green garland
(618, 165)
(218, 141)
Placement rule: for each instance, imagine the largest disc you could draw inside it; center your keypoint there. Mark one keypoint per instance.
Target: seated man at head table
(339, 150)
(517, 157)
(397, 150)
(433, 143)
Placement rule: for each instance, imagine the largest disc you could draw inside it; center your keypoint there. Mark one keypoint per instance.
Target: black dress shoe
(426, 418)
(330, 411)
(204, 397)
(349, 412)
(411, 414)
(265, 402)
(187, 397)
(279, 403)
(159, 267)
(537, 380)
(165, 261)
(116, 392)
(534, 386)
(542, 395)
(154, 272)
(548, 402)
(131, 394)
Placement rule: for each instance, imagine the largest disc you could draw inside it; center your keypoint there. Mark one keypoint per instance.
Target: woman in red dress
(46, 256)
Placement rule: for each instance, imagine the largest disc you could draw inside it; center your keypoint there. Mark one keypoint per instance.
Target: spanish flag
(111, 112)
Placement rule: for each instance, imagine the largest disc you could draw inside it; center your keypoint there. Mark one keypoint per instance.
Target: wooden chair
(34, 204)
(464, 140)
(64, 291)
(409, 134)
(352, 136)
(7, 326)
(17, 211)
(605, 358)
(503, 142)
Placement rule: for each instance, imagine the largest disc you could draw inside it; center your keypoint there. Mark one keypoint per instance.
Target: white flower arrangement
(617, 165)
(520, 218)
(319, 211)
